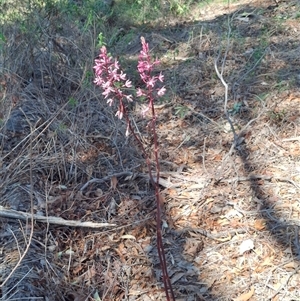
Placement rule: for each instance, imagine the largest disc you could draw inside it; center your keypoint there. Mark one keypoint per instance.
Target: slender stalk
(161, 252)
(112, 80)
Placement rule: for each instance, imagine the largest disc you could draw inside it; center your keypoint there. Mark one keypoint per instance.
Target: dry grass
(58, 136)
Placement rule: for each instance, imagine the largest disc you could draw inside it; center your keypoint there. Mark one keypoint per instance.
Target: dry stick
(10, 213)
(220, 76)
(236, 138)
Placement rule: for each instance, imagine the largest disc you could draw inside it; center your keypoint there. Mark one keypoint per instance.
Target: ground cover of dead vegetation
(77, 209)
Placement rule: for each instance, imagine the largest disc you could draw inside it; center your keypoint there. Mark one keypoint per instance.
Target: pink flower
(151, 82)
(98, 81)
(122, 75)
(107, 91)
(140, 92)
(110, 101)
(128, 84)
(161, 91)
(111, 79)
(129, 98)
(145, 110)
(106, 85)
(119, 114)
(144, 66)
(116, 65)
(160, 77)
(127, 131)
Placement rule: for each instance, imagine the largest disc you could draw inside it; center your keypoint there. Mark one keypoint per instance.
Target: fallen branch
(9, 213)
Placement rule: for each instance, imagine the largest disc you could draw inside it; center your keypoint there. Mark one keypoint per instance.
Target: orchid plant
(116, 86)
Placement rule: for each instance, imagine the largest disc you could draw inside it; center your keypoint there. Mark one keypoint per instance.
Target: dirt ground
(77, 208)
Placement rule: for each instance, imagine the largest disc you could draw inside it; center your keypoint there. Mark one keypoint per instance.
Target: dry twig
(9, 213)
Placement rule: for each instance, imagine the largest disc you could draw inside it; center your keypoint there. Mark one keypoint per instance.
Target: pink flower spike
(161, 91)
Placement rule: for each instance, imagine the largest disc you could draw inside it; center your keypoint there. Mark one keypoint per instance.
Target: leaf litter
(218, 199)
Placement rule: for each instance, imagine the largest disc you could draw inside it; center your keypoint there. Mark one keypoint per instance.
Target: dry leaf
(96, 296)
(245, 296)
(223, 222)
(176, 277)
(99, 192)
(112, 207)
(260, 224)
(128, 236)
(113, 182)
(52, 248)
(69, 252)
(276, 286)
(246, 245)
(161, 199)
(89, 171)
(172, 192)
(90, 274)
(233, 213)
(268, 261)
(291, 265)
(217, 157)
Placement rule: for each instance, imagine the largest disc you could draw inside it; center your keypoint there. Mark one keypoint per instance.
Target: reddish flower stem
(112, 80)
(160, 248)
